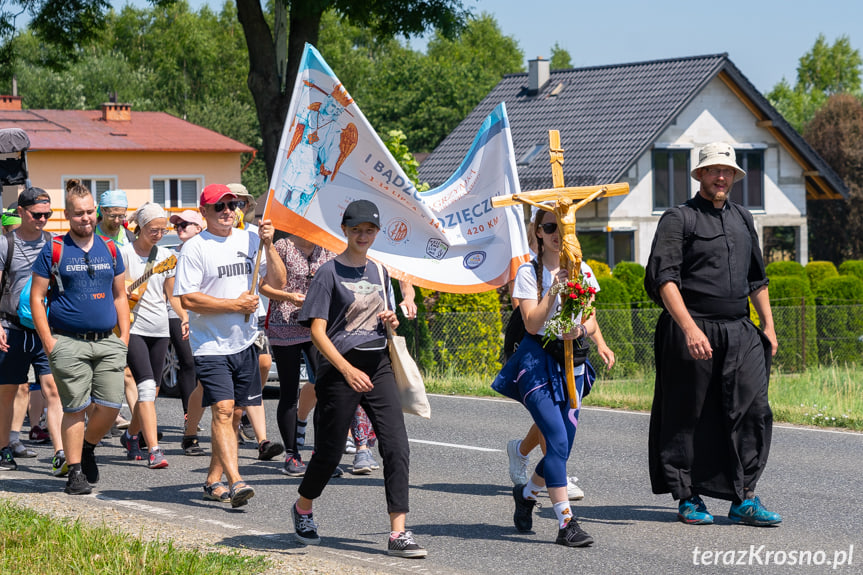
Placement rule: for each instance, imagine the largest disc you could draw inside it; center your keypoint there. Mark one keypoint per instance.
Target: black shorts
(233, 377)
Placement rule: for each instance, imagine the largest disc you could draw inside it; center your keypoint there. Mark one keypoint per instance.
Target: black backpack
(515, 330)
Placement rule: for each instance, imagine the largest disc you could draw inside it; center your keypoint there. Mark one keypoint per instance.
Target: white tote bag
(407, 374)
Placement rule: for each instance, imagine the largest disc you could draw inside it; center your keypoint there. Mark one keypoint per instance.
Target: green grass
(823, 396)
(34, 543)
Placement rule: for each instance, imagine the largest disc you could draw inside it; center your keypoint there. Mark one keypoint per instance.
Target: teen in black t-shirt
(345, 310)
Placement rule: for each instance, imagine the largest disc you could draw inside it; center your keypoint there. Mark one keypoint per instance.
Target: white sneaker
(574, 491)
(517, 462)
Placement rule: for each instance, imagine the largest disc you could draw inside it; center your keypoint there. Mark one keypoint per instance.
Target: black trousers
(186, 379)
(288, 359)
(710, 425)
(336, 405)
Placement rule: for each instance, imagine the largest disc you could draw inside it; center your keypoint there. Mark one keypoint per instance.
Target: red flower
(570, 285)
(581, 291)
(587, 274)
(577, 286)
(573, 296)
(591, 291)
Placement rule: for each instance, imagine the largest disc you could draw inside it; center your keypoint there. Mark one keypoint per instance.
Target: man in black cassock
(710, 426)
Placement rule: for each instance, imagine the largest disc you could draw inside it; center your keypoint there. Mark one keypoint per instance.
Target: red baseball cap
(215, 192)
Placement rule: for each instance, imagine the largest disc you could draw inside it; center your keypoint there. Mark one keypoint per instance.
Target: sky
(764, 38)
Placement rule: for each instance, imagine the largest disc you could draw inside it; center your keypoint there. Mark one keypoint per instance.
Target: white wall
(716, 114)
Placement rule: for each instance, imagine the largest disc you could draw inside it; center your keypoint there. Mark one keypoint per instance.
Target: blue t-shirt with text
(87, 303)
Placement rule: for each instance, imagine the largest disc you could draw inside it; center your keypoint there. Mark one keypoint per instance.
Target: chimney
(113, 112)
(10, 102)
(537, 75)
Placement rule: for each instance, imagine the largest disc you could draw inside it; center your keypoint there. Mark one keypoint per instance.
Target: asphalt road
(462, 504)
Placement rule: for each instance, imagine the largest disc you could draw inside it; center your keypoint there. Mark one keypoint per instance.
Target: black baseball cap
(361, 212)
(33, 196)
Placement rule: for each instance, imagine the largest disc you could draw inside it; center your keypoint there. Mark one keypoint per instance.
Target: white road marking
(457, 446)
(647, 414)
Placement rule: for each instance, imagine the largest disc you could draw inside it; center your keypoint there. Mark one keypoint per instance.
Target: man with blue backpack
(83, 280)
(20, 347)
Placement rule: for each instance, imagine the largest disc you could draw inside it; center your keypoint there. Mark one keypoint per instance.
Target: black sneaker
(7, 461)
(191, 446)
(294, 466)
(305, 529)
(269, 449)
(88, 465)
(572, 535)
(77, 484)
(523, 516)
(405, 546)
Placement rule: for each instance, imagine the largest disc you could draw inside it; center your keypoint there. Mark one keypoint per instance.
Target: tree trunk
(271, 104)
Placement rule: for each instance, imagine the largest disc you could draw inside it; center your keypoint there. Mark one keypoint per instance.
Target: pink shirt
(282, 327)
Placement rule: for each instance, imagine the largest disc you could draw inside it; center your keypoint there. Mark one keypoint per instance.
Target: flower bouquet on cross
(576, 306)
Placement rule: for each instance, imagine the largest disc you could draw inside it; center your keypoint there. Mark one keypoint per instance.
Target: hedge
(467, 329)
(777, 269)
(416, 331)
(632, 276)
(613, 301)
(852, 268)
(819, 271)
(793, 306)
(840, 326)
(599, 268)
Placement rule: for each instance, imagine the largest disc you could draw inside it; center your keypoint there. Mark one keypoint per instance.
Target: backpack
(515, 330)
(689, 220)
(57, 245)
(687, 212)
(10, 251)
(25, 316)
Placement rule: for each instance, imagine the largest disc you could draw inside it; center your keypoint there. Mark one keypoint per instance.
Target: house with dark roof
(643, 124)
(152, 156)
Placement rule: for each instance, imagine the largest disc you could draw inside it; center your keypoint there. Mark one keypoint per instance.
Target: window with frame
(611, 248)
(670, 178)
(176, 192)
(749, 192)
(95, 184)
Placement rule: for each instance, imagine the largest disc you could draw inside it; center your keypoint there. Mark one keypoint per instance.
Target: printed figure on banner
(323, 137)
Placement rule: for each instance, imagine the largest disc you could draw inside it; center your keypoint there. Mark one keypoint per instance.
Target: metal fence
(472, 342)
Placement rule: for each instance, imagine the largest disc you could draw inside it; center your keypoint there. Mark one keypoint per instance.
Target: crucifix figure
(564, 202)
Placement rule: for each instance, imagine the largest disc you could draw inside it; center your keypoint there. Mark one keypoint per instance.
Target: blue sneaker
(693, 511)
(751, 512)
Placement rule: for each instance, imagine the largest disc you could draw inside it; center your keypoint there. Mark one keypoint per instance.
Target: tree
(836, 133)
(830, 69)
(560, 58)
(427, 96)
(385, 18)
(69, 23)
(821, 72)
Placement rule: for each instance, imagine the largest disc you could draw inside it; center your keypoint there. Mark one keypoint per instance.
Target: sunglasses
(90, 270)
(549, 228)
(220, 206)
(184, 225)
(242, 204)
(39, 215)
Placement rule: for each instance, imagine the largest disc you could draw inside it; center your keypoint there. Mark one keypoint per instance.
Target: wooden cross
(567, 201)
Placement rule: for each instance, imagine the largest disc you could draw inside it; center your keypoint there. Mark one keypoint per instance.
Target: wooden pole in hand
(567, 236)
(254, 288)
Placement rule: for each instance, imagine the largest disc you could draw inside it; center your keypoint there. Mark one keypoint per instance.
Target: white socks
(563, 512)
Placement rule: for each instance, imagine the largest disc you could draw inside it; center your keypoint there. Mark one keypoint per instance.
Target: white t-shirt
(525, 285)
(220, 267)
(151, 312)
